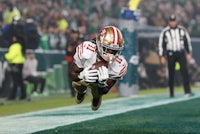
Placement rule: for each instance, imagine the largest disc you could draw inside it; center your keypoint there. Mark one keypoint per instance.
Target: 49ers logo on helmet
(103, 32)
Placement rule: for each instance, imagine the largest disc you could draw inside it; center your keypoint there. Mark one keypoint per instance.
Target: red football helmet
(110, 42)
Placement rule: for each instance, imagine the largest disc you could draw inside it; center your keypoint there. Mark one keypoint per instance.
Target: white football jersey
(86, 55)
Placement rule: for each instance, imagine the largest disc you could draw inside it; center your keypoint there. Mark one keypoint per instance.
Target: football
(99, 64)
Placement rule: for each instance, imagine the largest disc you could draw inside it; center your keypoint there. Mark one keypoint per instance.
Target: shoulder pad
(119, 67)
(85, 50)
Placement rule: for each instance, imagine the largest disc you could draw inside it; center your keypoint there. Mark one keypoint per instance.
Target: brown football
(99, 64)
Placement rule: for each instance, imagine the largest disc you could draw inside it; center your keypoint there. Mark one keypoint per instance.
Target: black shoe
(96, 103)
(80, 97)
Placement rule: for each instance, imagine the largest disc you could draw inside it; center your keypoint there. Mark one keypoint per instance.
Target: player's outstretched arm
(74, 72)
(87, 74)
(105, 84)
(105, 89)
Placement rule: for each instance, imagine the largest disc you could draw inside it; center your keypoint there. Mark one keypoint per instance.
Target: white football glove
(103, 74)
(88, 75)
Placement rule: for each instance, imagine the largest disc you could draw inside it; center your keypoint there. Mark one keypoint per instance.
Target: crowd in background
(157, 13)
(56, 18)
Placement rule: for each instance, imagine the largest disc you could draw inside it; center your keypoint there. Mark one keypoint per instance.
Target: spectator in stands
(62, 23)
(44, 39)
(31, 32)
(1, 15)
(102, 12)
(10, 13)
(62, 26)
(6, 33)
(16, 57)
(30, 73)
(158, 20)
(195, 26)
(70, 51)
(53, 37)
(186, 10)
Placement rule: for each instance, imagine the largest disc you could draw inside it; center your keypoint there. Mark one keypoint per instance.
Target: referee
(175, 46)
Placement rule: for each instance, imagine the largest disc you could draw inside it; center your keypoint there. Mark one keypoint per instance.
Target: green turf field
(59, 100)
(152, 112)
(177, 118)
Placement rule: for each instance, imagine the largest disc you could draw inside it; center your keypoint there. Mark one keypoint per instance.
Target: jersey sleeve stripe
(80, 50)
(115, 40)
(124, 67)
(123, 71)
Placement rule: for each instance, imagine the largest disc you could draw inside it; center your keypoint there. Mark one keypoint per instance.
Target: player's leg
(80, 89)
(40, 81)
(184, 73)
(32, 80)
(97, 97)
(171, 68)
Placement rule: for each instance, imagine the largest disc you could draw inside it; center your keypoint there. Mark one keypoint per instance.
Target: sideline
(49, 119)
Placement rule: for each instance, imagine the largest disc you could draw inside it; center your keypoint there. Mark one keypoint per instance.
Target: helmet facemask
(110, 42)
(109, 52)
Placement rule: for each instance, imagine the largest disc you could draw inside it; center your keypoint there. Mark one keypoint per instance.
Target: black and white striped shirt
(176, 39)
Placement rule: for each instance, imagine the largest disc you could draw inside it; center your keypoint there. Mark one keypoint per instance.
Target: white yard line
(52, 118)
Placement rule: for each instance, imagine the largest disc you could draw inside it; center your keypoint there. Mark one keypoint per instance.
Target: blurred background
(57, 20)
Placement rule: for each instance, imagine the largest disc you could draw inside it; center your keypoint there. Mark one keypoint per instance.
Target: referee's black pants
(173, 57)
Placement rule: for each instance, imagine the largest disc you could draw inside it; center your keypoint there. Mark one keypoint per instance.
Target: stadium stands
(56, 18)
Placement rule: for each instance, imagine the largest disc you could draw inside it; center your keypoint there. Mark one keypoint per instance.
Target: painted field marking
(52, 118)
